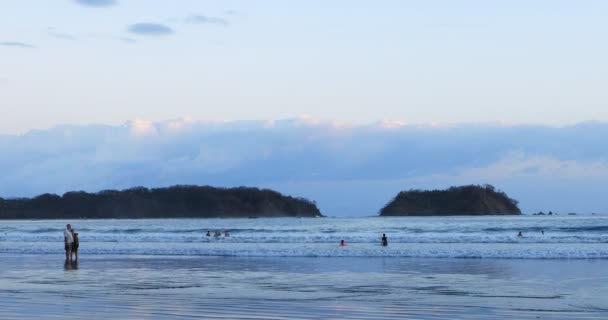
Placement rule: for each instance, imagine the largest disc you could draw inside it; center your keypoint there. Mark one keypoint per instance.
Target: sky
(344, 102)
(102, 61)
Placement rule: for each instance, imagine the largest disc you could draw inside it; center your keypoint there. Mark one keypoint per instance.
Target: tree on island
(181, 201)
(463, 200)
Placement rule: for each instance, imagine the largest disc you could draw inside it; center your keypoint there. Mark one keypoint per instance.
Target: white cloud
(181, 123)
(392, 124)
(142, 128)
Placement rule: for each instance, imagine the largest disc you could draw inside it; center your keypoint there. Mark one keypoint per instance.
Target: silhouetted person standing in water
(75, 245)
(384, 240)
(69, 241)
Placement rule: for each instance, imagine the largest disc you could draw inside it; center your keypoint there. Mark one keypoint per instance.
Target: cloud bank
(348, 169)
(150, 29)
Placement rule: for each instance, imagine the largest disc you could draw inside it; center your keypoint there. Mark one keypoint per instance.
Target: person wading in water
(68, 239)
(384, 240)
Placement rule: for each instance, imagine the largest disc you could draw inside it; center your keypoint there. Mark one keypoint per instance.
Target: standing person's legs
(68, 252)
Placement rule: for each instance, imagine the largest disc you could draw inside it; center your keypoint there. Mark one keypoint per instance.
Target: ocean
(290, 268)
(544, 237)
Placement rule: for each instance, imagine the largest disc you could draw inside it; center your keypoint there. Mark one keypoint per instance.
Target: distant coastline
(171, 202)
(463, 200)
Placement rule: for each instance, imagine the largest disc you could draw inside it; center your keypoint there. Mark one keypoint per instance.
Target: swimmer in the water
(342, 243)
(384, 240)
(208, 233)
(520, 234)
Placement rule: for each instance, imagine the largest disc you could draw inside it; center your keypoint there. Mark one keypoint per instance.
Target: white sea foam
(423, 250)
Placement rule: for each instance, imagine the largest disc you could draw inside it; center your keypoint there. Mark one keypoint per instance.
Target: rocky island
(171, 202)
(463, 200)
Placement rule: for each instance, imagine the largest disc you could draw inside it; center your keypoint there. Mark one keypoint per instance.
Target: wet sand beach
(172, 287)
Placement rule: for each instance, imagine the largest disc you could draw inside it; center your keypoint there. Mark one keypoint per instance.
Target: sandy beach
(169, 287)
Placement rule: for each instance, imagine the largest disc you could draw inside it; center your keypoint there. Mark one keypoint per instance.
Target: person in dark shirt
(384, 240)
(75, 245)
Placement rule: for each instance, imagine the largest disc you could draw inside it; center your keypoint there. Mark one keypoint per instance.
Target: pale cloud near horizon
(347, 168)
(141, 128)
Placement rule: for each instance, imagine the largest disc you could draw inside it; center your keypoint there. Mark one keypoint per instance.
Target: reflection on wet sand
(165, 287)
(70, 265)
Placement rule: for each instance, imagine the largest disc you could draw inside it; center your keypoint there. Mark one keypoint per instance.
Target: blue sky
(361, 61)
(400, 94)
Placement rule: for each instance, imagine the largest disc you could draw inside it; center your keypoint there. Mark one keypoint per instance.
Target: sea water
(544, 237)
(289, 268)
